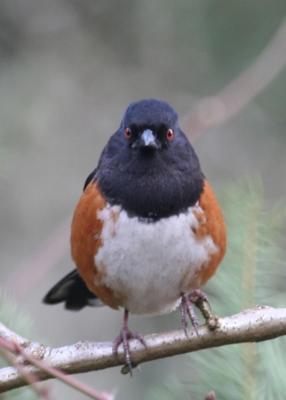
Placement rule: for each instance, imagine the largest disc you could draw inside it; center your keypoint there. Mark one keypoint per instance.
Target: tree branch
(261, 323)
(215, 110)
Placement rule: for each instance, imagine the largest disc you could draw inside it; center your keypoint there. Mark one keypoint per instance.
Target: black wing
(90, 178)
(72, 291)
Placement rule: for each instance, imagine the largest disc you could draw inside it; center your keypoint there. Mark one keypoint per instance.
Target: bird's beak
(148, 140)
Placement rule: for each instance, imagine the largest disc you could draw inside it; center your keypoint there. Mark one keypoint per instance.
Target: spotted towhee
(148, 231)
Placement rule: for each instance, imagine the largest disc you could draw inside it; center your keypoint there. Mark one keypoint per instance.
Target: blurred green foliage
(13, 316)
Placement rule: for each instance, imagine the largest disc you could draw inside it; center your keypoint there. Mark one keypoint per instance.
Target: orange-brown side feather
(86, 239)
(211, 222)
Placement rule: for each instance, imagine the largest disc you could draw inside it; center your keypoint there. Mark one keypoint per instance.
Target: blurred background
(68, 69)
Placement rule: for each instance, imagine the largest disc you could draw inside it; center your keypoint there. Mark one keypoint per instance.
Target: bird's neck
(152, 196)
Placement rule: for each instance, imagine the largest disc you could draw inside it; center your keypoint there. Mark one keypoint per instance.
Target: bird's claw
(200, 300)
(188, 313)
(123, 338)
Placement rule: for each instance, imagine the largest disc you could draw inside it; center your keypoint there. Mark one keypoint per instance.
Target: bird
(148, 231)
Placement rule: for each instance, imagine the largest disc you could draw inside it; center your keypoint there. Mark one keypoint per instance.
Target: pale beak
(148, 140)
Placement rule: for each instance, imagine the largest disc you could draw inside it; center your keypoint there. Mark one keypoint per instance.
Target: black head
(149, 124)
(148, 166)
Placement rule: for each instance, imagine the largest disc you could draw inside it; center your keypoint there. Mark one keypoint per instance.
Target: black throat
(150, 186)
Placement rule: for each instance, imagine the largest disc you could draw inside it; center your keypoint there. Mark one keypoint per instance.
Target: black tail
(73, 292)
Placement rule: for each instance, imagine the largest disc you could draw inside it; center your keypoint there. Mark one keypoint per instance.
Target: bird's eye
(170, 134)
(127, 133)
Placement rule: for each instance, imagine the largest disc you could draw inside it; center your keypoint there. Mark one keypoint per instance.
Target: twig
(31, 379)
(261, 323)
(212, 111)
(8, 346)
(55, 373)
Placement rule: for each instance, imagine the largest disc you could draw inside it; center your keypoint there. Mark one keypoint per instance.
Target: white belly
(145, 263)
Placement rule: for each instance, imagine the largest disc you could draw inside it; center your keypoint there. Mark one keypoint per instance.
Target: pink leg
(200, 300)
(123, 338)
(188, 313)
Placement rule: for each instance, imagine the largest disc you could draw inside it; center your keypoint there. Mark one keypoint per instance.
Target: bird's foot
(188, 314)
(123, 338)
(200, 300)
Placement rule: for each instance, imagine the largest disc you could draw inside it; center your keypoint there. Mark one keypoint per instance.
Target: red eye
(170, 134)
(127, 133)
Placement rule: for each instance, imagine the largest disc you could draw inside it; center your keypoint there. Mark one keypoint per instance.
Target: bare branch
(214, 110)
(261, 323)
(31, 355)
(31, 379)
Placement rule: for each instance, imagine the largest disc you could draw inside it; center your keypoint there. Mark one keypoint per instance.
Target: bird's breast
(148, 264)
